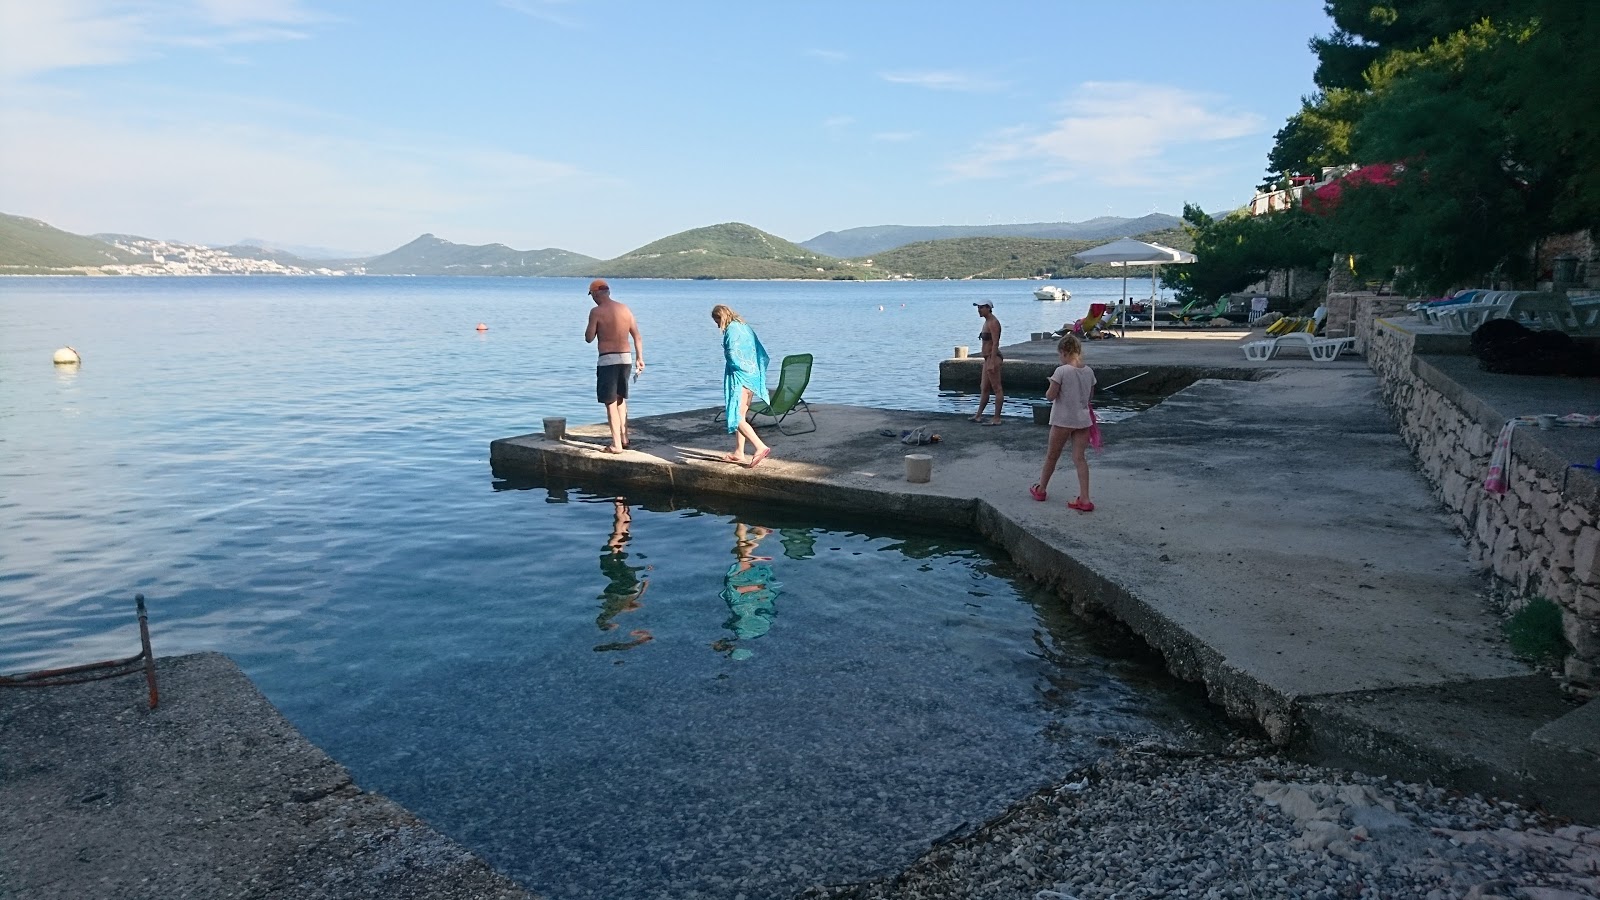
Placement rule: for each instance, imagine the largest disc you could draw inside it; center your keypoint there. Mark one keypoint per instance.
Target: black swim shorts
(611, 382)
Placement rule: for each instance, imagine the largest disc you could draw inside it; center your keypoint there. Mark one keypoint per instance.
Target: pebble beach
(1153, 819)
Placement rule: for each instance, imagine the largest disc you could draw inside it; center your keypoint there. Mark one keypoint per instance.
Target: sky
(597, 126)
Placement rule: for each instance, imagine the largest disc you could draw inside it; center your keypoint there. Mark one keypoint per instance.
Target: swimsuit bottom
(625, 358)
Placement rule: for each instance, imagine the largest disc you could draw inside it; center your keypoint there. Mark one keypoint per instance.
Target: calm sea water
(604, 697)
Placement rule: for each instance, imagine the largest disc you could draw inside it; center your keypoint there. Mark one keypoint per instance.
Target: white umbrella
(1126, 252)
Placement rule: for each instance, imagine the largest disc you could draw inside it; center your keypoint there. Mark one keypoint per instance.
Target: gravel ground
(1156, 820)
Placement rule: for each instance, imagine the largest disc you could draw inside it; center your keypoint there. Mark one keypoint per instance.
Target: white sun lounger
(1466, 317)
(1322, 349)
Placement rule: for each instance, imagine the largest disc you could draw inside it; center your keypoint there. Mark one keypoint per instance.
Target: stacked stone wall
(1540, 537)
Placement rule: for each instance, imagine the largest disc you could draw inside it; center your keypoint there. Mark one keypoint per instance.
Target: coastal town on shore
(169, 258)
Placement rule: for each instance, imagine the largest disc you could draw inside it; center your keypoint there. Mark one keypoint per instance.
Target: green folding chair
(786, 398)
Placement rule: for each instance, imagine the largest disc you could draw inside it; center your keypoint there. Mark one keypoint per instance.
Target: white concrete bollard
(919, 467)
(555, 428)
(961, 353)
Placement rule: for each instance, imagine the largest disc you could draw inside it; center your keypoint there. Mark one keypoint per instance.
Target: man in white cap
(613, 324)
(989, 350)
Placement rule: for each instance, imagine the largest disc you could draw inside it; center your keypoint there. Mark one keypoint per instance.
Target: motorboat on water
(1052, 293)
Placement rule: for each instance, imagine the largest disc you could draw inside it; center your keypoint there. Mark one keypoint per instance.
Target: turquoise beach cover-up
(746, 368)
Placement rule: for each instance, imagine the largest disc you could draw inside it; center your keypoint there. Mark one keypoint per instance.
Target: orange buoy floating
(482, 327)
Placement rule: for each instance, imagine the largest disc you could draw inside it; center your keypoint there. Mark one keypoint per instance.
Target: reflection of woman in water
(625, 587)
(749, 589)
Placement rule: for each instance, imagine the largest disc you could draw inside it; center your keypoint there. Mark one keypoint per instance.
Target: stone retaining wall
(1540, 537)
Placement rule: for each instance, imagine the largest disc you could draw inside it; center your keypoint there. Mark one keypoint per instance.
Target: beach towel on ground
(746, 369)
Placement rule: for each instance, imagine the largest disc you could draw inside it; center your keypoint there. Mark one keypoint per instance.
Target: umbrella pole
(1125, 308)
(1153, 271)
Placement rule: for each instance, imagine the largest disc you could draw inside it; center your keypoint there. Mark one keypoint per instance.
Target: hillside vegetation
(31, 244)
(730, 250)
(873, 239)
(429, 255)
(1007, 257)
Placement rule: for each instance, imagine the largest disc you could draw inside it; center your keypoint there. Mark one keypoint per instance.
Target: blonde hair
(722, 315)
(1070, 345)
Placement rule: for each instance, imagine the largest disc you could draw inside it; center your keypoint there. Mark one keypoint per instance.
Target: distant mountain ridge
(301, 251)
(872, 239)
(728, 250)
(429, 255)
(1008, 257)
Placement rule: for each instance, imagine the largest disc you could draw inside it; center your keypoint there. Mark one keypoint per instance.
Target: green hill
(730, 250)
(1007, 257)
(873, 239)
(429, 255)
(32, 245)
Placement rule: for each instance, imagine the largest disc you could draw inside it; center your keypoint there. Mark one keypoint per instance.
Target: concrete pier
(1267, 532)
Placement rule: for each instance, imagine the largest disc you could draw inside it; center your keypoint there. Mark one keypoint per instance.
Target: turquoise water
(651, 696)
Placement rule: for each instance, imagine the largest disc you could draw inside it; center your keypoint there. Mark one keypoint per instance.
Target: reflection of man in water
(749, 589)
(625, 587)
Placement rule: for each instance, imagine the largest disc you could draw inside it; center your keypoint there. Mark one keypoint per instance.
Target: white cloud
(943, 81)
(37, 37)
(552, 11)
(1118, 134)
(250, 12)
(200, 180)
(832, 56)
(833, 123)
(895, 137)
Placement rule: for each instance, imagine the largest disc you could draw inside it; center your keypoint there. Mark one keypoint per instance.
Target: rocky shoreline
(1153, 819)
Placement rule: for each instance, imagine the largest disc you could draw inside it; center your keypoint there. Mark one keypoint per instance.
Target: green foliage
(1240, 249)
(1484, 102)
(1365, 31)
(1535, 632)
(1316, 136)
(35, 247)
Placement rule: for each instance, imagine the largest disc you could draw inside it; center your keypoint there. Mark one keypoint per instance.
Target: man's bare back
(612, 323)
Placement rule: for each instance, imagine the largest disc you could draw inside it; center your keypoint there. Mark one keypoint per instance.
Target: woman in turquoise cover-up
(744, 376)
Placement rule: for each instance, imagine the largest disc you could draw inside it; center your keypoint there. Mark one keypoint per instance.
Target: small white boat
(1052, 293)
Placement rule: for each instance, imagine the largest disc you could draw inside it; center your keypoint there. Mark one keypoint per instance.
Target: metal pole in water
(149, 658)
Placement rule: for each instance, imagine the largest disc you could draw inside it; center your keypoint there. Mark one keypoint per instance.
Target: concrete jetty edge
(1305, 575)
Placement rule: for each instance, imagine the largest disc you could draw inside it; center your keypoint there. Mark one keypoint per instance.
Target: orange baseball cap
(598, 285)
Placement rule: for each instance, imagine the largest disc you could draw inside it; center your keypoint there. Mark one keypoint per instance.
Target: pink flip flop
(756, 459)
(1080, 507)
(1036, 492)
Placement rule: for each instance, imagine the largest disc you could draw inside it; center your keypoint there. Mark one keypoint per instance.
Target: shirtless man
(989, 349)
(614, 325)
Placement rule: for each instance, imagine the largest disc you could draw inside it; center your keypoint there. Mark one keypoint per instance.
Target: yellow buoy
(67, 356)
